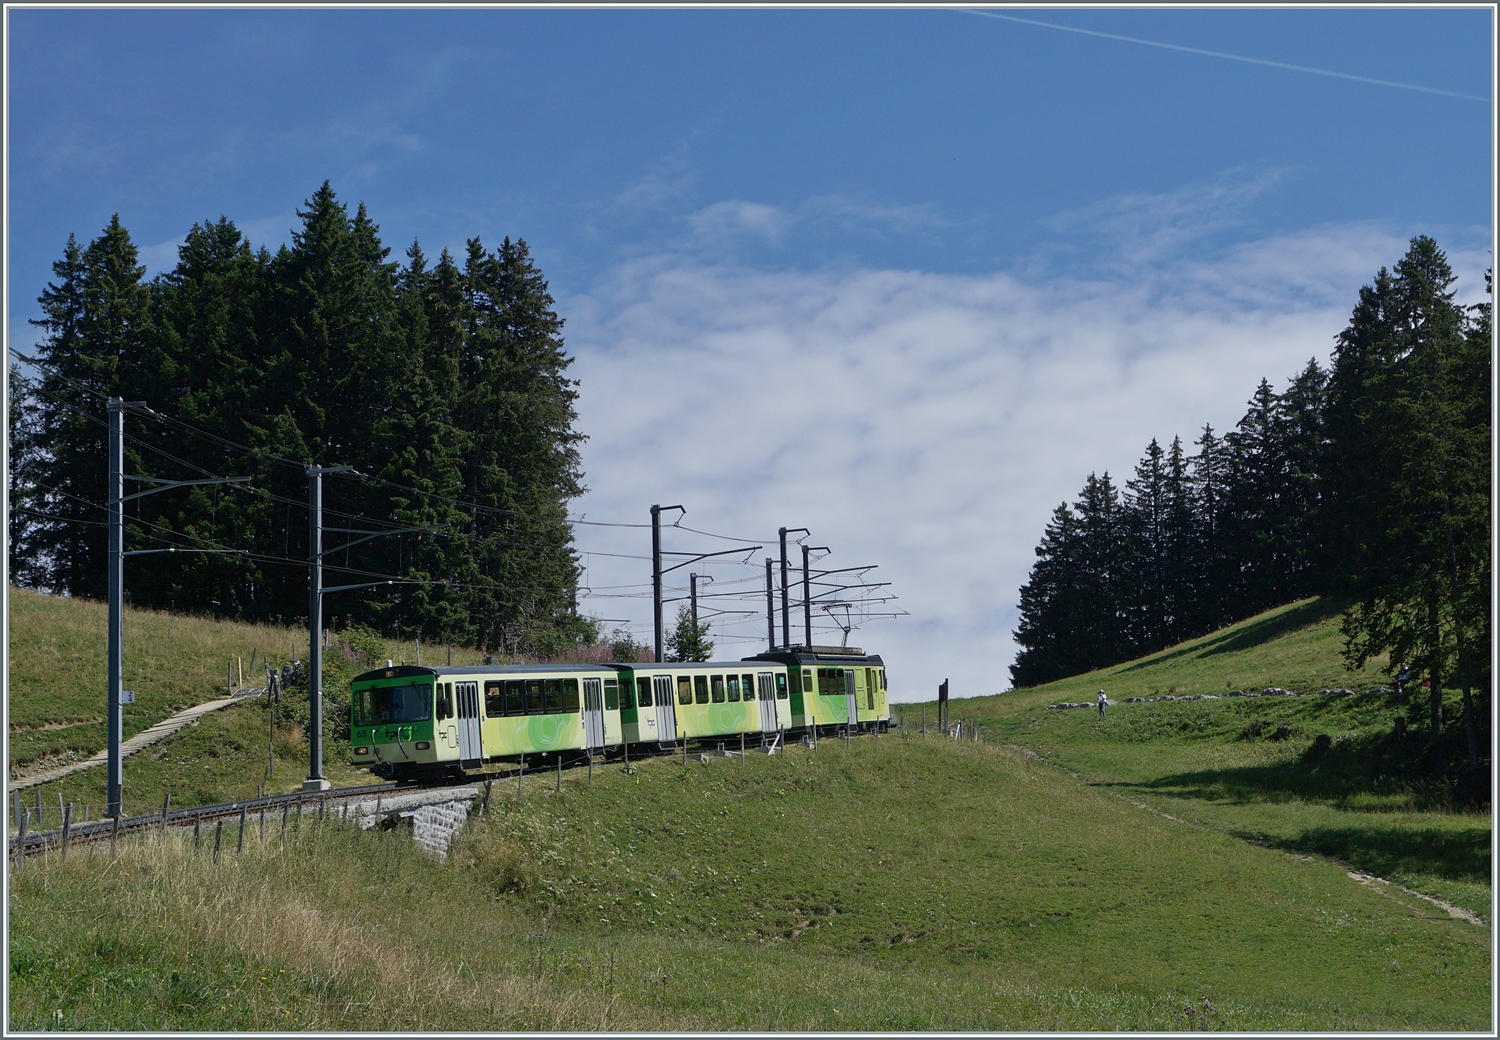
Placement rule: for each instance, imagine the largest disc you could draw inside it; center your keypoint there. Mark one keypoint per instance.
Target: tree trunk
(1470, 728)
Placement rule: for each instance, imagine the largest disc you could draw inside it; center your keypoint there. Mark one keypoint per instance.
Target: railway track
(30, 843)
(33, 843)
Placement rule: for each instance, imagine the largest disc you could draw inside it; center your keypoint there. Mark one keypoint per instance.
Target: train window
(643, 688)
(611, 695)
(870, 687)
(535, 704)
(554, 695)
(494, 698)
(717, 687)
(807, 686)
(700, 688)
(747, 683)
(515, 697)
(781, 686)
(684, 690)
(392, 704)
(444, 701)
(732, 687)
(882, 678)
(570, 695)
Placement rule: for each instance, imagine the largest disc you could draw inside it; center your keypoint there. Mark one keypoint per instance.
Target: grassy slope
(971, 888)
(1364, 803)
(890, 884)
(56, 706)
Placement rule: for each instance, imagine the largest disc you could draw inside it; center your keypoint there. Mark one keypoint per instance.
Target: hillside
(1064, 873)
(1372, 800)
(890, 884)
(57, 679)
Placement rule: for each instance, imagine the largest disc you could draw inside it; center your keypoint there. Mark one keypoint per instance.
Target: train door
(593, 713)
(767, 700)
(470, 743)
(851, 698)
(666, 717)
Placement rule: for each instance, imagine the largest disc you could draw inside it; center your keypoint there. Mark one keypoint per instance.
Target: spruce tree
(1410, 441)
(689, 640)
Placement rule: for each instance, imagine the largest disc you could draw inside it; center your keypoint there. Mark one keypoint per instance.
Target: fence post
(21, 836)
(520, 773)
(67, 828)
(197, 831)
(559, 772)
(218, 834)
(240, 845)
(286, 808)
(262, 826)
(166, 806)
(114, 832)
(742, 749)
(484, 803)
(15, 797)
(38, 817)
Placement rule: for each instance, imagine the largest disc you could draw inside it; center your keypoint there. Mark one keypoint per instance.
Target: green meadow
(1152, 870)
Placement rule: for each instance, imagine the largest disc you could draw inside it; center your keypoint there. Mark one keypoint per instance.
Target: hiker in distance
(1101, 704)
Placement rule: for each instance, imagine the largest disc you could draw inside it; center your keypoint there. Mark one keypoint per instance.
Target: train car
(701, 700)
(832, 686)
(408, 721)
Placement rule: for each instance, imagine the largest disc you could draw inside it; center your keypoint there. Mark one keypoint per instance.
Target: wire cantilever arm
(169, 485)
(695, 559)
(377, 534)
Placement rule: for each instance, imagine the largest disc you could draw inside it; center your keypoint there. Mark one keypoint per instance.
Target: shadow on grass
(1300, 616)
(1457, 855)
(1374, 772)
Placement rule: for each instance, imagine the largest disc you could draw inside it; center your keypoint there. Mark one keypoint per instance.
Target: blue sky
(977, 258)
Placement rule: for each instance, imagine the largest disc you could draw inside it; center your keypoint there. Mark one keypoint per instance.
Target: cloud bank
(926, 423)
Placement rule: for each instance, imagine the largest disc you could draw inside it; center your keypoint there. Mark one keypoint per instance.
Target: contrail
(1221, 54)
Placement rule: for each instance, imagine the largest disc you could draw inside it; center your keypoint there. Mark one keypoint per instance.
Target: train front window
(393, 704)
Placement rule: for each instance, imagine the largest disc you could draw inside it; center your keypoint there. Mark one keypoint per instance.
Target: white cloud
(926, 423)
(733, 218)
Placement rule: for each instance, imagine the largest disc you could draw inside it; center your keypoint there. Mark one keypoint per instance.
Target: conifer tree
(689, 640)
(1410, 448)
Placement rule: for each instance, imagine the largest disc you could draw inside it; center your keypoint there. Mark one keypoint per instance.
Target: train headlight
(424, 745)
(361, 751)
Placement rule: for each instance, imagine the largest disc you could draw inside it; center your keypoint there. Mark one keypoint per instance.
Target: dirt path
(144, 739)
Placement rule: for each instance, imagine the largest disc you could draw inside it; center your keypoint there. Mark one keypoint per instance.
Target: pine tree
(97, 322)
(1147, 516)
(1050, 602)
(689, 639)
(1178, 537)
(1410, 443)
(446, 385)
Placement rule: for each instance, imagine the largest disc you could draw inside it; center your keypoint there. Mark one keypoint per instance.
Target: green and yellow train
(411, 722)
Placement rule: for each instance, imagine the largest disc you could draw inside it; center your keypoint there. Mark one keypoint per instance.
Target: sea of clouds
(927, 423)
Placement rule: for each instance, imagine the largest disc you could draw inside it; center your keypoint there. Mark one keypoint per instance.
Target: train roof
(825, 655)
(405, 670)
